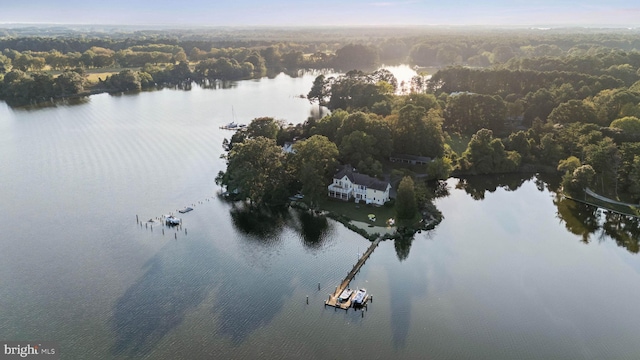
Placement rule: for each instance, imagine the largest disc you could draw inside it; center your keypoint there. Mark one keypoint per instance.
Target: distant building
(348, 184)
(410, 159)
(288, 147)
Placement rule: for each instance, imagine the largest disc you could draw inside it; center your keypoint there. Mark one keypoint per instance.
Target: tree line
(520, 66)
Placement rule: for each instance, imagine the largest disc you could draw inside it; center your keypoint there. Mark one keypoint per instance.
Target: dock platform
(333, 298)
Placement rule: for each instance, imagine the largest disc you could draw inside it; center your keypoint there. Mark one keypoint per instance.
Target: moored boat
(345, 295)
(172, 220)
(360, 297)
(185, 210)
(232, 126)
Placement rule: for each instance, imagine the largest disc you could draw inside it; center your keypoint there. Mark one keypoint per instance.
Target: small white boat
(172, 220)
(232, 126)
(360, 297)
(346, 294)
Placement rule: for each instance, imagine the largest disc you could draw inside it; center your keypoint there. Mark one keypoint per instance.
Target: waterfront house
(348, 184)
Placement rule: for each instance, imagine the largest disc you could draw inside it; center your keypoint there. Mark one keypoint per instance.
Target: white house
(348, 185)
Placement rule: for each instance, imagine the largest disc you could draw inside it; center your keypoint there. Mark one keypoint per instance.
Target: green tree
(550, 152)
(573, 111)
(469, 113)
(634, 178)
(329, 125)
(628, 124)
(485, 155)
(69, 83)
(581, 178)
(611, 102)
(357, 146)
(263, 126)
(440, 168)
(125, 80)
(519, 142)
(569, 164)
(356, 56)
(319, 91)
(417, 132)
(314, 161)
(427, 101)
(406, 206)
(605, 159)
(258, 62)
(256, 171)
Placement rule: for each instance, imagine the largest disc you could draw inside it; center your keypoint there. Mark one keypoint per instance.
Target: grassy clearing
(359, 212)
(95, 77)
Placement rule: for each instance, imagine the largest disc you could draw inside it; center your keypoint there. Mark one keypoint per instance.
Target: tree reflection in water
(477, 186)
(314, 229)
(263, 223)
(580, 219)
(586, 220)
(403, 247)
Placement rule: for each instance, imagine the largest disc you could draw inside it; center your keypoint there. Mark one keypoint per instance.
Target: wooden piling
(333, 299)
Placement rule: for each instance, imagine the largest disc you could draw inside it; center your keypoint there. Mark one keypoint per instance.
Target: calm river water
(501, 277)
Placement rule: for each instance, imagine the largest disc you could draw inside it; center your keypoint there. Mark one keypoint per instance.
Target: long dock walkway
(333, 298)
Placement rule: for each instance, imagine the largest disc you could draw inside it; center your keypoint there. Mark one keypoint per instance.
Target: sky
(591, 13)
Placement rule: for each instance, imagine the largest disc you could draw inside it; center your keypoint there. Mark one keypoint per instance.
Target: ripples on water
(499, 278)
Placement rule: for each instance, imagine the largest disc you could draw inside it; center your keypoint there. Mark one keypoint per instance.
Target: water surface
(510, 273)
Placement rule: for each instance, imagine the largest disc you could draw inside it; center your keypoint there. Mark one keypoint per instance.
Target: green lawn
(359, 212)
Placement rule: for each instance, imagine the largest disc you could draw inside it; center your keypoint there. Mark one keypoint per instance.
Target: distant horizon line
(325, 26)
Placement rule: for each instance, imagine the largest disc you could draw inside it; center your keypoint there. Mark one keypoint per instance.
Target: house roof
(410, 157)
(361, 179)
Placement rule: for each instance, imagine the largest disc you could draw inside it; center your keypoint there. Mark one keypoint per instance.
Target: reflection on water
(492, 281)
(74, 101)
(313, 228)
(404, 291)
(177, 280)
(440, 189)
(477, 186)
(244, 306)
(218, 84)
(580, 219)
(264, 224)
(403, 246)
(590, 222)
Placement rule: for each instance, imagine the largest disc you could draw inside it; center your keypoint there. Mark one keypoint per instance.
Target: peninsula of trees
(520, 100)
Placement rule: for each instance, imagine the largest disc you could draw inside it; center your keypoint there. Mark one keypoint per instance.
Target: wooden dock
(333, 298)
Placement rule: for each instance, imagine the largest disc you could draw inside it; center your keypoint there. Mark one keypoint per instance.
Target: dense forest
(562, 100)
(590, 59)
